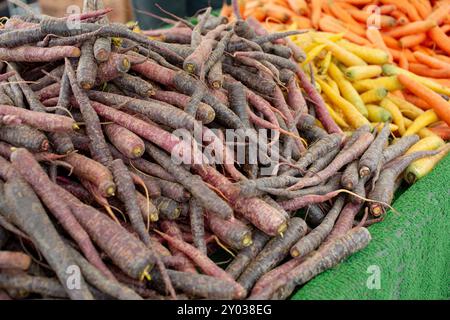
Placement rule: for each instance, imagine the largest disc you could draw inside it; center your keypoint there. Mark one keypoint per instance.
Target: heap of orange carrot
(412, 32)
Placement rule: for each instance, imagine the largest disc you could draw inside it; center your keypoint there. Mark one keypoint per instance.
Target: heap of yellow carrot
(373, 61)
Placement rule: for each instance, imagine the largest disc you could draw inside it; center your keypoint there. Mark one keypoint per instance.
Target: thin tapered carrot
(423, 70)
(439, 104)
(422, 121)
(411, 28)
(431, 61)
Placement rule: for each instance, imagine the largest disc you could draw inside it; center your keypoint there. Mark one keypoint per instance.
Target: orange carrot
(440, 38)
(387, 8)
(390, 42)
(444, 133)
(418, 102)
(412, 40)
(278, 12)
(440, 13)
(431, 61)
(403, 61)
(298, 6)
(316, 8)
(330, 24)
(226, 10)
(400, 16)
(302, 22)
(444, 82)
(442, 58)
(439, 104)
(374, 36)
(343, 15)
(426, 71)
(363, 16)
(411, 28)
(421, 8)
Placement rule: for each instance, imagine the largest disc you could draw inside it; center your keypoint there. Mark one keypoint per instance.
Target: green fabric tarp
(409, 251)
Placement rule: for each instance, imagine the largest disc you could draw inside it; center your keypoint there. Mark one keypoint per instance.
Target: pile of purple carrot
(95, 203)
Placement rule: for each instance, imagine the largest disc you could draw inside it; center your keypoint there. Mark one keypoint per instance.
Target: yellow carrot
(346, 89)
(336, 117)
(397, 116)
(369, 55)
(422, 133)
(362, 72)
(341, 54)
(332, 83)
(374, 95)
(314, 52)
(325, 63)
(379, 126)
(406, 108)
(426, 144)
(389, 83)
(351, 114)
(378, 114)
(391, 70)
(425, 119)
(422, 167)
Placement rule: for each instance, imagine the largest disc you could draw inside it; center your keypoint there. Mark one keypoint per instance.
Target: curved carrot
(439, 104)
(440, 38)
(411, 28)
(423, 70)
(431, 61)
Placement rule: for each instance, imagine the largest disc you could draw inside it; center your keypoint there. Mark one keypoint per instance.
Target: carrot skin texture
(93, 171)
(194, 184)
(324, 258)
(370, 160)
(274, 251)
(124, 249)
(98, 147)
(41, 121)
(24, 136)
(24, 209)
(246, 255)
(313, 239)
(208, 267)
(24, 162)
(14, 260)
(197, 225)
(125, 141)
(344, 157)
(34, 54)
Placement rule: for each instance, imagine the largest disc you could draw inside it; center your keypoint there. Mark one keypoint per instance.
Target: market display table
(409, 256)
